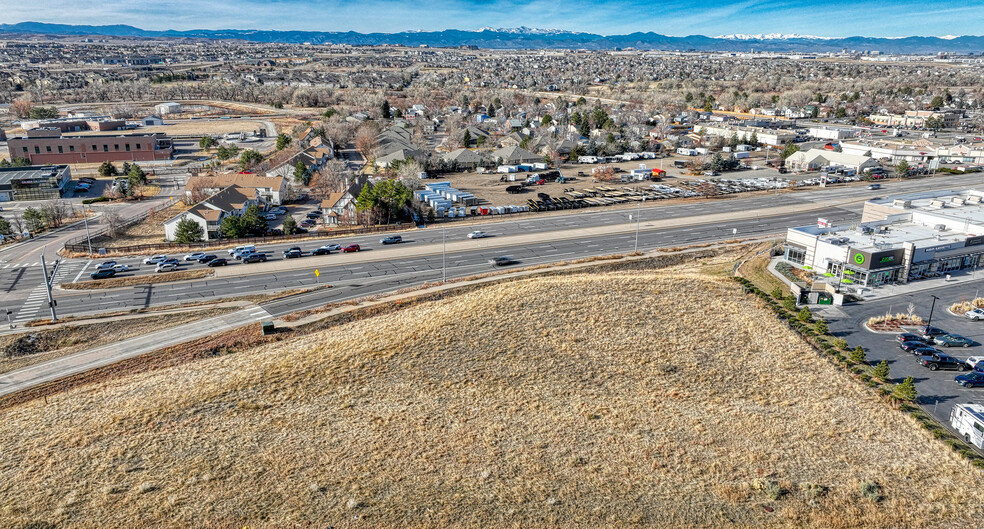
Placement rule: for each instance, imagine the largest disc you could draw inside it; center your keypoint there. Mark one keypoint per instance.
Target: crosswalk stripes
(18, 265)
(29, 310)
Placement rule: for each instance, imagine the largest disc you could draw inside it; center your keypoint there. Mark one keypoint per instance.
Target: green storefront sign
(859, 258)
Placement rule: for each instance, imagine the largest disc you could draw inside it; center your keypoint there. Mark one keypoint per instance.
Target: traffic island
(115, 282)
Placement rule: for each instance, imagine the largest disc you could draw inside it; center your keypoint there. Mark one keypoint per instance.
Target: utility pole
(444, 255)
(47, 284)
(85, 219)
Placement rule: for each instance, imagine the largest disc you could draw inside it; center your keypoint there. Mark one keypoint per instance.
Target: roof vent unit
(940, 227)
(957, 201)
(904, 204)
(974, 199)
(867, 230)
(937, 203)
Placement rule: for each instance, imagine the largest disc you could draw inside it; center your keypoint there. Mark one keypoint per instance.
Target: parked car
(207, 257)
(87, 179)
(974, 360)
(155, 259)
(975, 314)
(909, 337)
(477, 235)
(970, 380)
(278, 211)
(953, 340)
(121, 268)
(925, 351)
(293, 253)
(927, 331)
(501, 261)
(218, 261)
(942, 361)
(912, 345)
(255, 258)
(166, 267)
(392, 239)
(196, 256)
(106, 264)
(307, 223)
(103, 274)
(270, 216)
(351, 248)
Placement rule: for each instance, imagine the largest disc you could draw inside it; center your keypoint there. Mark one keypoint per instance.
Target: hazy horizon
(867, 18)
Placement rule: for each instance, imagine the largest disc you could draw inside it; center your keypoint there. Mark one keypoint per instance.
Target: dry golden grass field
(659, 398)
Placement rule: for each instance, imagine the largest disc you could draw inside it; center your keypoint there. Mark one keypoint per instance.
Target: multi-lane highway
(424, 257)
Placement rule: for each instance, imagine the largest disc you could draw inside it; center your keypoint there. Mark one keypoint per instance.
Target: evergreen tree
(290, 225)
(906, 390)
(189, 231)
(385, 109)
(283, 141)
(821, 326)
(857, 355)
(881, 370)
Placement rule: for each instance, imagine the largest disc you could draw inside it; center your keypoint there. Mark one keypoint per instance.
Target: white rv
(968, 421)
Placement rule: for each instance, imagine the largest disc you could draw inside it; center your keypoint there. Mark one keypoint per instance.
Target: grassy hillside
(654, 398)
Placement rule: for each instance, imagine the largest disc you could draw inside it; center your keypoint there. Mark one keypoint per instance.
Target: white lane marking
(87, 263)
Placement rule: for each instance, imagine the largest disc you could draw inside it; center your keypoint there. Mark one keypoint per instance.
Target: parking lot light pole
(931, 307)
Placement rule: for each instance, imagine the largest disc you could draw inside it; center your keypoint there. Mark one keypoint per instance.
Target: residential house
(340, 206)
(209, 213)
(516, 155)
(269, 190)
(464, 158)
(313, 158)
(816, 159)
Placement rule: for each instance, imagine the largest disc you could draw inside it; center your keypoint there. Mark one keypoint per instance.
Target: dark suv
(943, 361)
(255, 258)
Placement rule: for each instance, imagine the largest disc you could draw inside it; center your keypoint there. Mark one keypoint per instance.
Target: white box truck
(968, 421)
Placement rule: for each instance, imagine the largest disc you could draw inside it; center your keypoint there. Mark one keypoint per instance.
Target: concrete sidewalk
(28, 377)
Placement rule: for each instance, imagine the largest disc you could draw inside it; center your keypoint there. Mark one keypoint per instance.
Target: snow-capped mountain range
(536, 38)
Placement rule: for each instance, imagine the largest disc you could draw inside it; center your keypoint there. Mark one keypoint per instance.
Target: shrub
(857, 355)
(906, 391)
(841, 344)
(871, 491)
(777, 293)
(881, 370)
(805, 315)
(813, 490)
(97, 199)
(789, 304)
(821, 326)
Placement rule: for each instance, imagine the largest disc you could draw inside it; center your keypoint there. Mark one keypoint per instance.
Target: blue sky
(834, 18)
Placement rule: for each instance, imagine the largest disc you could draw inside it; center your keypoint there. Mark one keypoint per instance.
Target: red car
(351, 248)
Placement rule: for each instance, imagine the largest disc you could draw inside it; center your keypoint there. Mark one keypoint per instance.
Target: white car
(477, 235)
(974, 360)
(122, 268)
(156, 259)
(975, 314)
(332, 247)
(166, 267)
(270, 216)
(194, 256)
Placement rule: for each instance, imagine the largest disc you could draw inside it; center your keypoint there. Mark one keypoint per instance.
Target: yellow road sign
(317, 273)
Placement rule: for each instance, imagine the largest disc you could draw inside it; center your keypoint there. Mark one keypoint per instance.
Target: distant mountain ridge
(533, 38)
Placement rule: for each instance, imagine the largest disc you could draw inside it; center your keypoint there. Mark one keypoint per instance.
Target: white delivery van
(968, 421)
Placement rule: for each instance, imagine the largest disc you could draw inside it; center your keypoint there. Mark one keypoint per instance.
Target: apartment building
(48, 146)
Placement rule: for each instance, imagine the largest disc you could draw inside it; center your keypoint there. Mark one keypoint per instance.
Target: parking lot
(937, 390)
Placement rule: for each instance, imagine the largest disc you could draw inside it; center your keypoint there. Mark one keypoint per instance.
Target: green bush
(789, 304)
(97, 199)
(881, 370)
(841, 344)
(871, 491)
(777, 293)
(857, 355)
(906, 391)
(805, 315)
(821, 326)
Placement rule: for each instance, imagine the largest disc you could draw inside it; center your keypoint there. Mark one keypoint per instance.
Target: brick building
(48, 146)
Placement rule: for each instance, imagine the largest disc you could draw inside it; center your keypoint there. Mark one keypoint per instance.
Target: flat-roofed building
(48, 146)
(33, 183)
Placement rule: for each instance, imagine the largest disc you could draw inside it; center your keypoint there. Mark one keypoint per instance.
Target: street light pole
(47, 285)
(85, 219)
(638, 222)
(931, 307)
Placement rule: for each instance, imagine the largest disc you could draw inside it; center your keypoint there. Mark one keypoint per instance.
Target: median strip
(114, 282)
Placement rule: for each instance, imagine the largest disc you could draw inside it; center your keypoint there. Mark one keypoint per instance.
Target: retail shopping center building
(899, 239)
